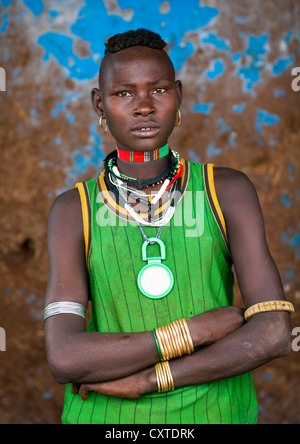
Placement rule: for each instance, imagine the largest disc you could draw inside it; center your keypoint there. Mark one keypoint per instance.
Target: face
(139, 98)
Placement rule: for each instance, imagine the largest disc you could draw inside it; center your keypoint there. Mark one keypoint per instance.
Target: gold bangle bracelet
(188, 334)
(165, 382)
(161, 343)
(263, 307)
(174, 340)
(162, 383)
(176, 333)
(169, 342)
(168, 373)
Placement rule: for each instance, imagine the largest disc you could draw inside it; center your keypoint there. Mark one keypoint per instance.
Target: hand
(131, 387)
(214, 325)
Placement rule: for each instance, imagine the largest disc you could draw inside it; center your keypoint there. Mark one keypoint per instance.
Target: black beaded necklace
(139, 183)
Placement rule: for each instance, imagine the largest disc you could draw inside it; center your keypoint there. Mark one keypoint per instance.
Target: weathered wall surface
(235, 60)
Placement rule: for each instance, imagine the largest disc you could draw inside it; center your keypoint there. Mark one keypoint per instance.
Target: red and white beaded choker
(146, 156)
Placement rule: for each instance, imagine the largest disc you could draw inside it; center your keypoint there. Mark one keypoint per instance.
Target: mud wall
(235, 59)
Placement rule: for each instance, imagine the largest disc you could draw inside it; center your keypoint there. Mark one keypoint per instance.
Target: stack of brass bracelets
(172, 341)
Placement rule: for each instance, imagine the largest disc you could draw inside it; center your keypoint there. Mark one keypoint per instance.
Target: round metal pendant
(155, 280)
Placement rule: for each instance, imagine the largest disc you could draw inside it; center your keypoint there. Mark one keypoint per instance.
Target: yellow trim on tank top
(211, 182)
(85, 216)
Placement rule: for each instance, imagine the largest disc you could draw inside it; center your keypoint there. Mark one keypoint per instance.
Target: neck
(143, 164)
(143, 170)
(143, 156)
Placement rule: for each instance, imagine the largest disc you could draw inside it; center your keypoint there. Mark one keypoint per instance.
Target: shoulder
(233, 188)
(66, 203)
(229, 178)
(65, 213)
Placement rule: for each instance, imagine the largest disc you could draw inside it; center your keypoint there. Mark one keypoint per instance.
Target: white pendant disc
(155, 280)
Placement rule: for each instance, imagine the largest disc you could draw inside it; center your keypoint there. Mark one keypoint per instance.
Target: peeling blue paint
(279, 93)
(5, 3)
(35, 6)
(204, 108)
(264, 118)
(53, 13)
(292, 239)
(193, 156)
(255, 54)
(239, 109)
(4, 23)
(214, 40)
(281, 65)
(62, 107)
(291, 170)
(223, 127)
(212, 150)
(61, 47)
(289, 36)
(287, 202)
(233, 136)
(183, 18)
(290, 275)
(90, 155)
(216, 70)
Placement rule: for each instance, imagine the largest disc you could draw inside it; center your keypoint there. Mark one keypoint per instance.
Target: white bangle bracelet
(64, 307)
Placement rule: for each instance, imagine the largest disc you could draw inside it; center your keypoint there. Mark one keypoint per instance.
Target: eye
(159, 90)
(123, 94)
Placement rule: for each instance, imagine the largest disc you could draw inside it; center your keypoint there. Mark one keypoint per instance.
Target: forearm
(77, 356)
(264, 338)
(256, 343)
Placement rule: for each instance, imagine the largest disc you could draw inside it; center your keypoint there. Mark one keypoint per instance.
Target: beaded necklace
(118, 184)
(111, 161)
(155, 280)
(147, 156)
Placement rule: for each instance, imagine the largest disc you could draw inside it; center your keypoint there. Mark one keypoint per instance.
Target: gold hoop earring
(179, 118)
(104, 130)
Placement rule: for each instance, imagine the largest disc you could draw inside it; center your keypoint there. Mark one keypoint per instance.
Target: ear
(97, 101)
(178, 84)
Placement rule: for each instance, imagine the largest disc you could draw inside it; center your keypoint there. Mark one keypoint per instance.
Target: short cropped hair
(140, 37)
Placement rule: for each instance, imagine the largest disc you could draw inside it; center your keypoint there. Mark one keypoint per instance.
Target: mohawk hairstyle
(140, 37)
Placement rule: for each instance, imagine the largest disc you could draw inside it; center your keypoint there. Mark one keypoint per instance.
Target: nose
(144, 106)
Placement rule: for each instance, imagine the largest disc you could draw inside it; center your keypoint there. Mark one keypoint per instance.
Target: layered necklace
(155, 280)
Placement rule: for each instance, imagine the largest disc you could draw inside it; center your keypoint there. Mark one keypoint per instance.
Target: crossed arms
(122, 364)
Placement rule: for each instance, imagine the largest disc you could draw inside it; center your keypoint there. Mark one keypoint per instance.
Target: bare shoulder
(233, 188)
(230, 178)
(65, 212)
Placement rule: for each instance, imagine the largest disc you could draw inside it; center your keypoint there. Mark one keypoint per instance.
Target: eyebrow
(128, 84)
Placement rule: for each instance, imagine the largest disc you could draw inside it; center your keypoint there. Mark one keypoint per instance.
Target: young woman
(164, 342)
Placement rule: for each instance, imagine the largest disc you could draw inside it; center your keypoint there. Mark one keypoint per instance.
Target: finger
(84, 392)
(75, 388)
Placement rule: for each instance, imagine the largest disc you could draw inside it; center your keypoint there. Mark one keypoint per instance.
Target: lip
(146, 129)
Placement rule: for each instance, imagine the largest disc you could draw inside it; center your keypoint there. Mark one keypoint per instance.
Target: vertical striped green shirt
(197, 253)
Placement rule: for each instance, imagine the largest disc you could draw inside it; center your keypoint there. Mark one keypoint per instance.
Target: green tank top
(197, 253)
